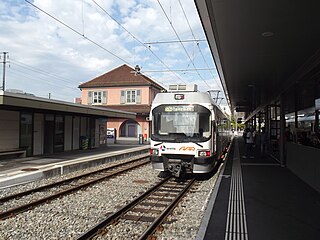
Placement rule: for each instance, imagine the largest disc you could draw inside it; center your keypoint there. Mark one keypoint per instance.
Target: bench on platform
(13, 153)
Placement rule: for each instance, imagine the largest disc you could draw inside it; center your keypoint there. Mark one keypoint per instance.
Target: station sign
(189, 108)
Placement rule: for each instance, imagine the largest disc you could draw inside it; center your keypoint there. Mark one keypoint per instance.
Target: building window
(97, 97)
(130, 96)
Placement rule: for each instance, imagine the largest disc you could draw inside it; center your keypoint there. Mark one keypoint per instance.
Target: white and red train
(190, 133)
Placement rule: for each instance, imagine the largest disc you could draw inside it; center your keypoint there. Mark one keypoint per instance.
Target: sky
(55, 45)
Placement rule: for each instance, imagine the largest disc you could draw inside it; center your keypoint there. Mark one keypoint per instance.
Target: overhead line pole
(4, 70)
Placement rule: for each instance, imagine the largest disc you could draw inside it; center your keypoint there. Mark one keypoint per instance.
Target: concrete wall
(304, 161)
(9, 129)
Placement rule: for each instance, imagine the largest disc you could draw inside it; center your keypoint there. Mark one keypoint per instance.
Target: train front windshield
(181, 123)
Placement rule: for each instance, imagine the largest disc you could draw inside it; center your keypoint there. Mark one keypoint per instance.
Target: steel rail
(94, 230)
(13, 211)
(66, 181)
(150, 230)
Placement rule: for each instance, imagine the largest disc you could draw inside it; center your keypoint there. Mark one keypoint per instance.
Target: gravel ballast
(72, 215)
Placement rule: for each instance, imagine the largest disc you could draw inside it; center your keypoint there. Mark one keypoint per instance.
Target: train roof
(188, 98)
(185, 97)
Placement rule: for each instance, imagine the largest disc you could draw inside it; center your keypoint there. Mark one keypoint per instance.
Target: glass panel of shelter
(305, 132)
(274, 113)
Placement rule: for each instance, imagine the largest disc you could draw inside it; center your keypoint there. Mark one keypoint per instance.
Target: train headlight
(154, 151)
(204, 153)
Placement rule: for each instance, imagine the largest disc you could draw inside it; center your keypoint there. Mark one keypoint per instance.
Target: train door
(214, 136)
(219, 136)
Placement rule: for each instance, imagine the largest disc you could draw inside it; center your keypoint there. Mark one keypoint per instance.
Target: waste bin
(84, 142)
(140, 139)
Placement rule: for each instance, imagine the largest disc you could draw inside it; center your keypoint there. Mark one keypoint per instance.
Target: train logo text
(187, 149)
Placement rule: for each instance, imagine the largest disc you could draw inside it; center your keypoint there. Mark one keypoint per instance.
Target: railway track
(145, 213)
(60, 188)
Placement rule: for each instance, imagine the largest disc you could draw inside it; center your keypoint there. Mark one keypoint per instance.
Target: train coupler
(175, 170)
(178, 170)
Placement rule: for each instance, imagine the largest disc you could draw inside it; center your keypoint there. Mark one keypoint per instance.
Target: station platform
(257, 199)
(23, 170)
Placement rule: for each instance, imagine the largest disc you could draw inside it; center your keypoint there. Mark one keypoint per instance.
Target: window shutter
(123, 97)
(138, 97)
(89, 97)
(104, 97)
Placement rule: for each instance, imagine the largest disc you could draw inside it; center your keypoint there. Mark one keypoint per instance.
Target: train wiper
(187, 139)
(193, 141)
(157, 144)
(197, 143)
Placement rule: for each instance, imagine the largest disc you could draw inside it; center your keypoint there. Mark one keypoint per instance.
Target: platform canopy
(262, 48)
(16, 101)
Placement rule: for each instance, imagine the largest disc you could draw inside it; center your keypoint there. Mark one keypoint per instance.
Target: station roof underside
(14, 101)
(262, 48)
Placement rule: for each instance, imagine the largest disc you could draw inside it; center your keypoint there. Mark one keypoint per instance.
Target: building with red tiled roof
(123, 88)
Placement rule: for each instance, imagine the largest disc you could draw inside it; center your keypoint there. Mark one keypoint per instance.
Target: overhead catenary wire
(175, 41)
(56, 93)
(82, 35)
(18, 73)
(177, 35)
(194, 37)
(77, 32)
(43, 95)
(31, 77)
(181, 70)
(105, 49)
(135, 38)
(37, 70)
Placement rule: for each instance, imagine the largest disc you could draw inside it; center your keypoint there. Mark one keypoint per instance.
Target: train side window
(204, 122)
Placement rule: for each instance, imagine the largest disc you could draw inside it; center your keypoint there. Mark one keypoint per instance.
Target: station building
(32, 125)
(127, 89)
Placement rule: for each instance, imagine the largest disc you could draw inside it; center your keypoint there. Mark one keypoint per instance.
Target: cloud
(35, 39)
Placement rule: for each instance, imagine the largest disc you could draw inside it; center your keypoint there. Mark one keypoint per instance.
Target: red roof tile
(120, 76)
